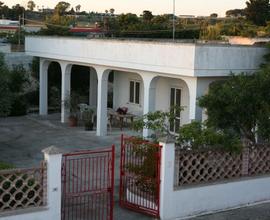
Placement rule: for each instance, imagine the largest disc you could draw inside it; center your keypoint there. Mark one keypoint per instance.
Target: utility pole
(19, 32)
(173, 20)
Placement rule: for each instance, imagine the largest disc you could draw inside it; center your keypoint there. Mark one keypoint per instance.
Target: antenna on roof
(173, 20)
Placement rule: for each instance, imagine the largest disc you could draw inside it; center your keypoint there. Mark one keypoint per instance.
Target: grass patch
(5, 166)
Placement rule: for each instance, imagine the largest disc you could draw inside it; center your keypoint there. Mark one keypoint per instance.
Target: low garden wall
(33, 193)
(193, 167)
(201, 182)
(22, 188)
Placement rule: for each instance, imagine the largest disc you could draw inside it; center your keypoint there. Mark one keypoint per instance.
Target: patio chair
(82, 107)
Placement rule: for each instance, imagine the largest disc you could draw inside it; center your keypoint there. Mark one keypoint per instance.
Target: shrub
(19, 106)
(158, 122)
(18, 79)
(5, 96)
(196, 136)
(32, 98)
(5, 91)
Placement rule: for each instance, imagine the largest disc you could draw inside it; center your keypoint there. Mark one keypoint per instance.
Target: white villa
(148, 75)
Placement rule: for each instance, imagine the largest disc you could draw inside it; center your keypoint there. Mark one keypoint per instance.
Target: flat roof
(157, 40)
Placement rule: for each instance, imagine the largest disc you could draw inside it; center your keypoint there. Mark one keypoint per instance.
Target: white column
(93, 88)
(53, 158)
(102, 117)
(192, 86)
(167, 178)
(43, 87)
(65, 90)
(149, 98)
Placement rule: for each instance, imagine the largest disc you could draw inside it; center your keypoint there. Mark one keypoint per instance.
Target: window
(134, 92)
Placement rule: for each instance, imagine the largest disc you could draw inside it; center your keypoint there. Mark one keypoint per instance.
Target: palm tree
(78, 8)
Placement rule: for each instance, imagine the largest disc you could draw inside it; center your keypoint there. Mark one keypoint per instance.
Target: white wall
(16, 58)
(153, 56)
(121, 92)
(32, 214)
(182, 59)
(202, 89)
(211, 60)
(200, 200)
(162, 100)
(163, 90)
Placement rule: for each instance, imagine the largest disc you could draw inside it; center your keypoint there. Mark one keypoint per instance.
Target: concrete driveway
(23, 138)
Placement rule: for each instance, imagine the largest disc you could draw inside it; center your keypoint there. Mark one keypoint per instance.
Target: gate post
(166, 176)
(53, 158)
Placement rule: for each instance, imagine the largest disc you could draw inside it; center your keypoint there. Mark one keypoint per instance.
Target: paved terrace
(23, 138)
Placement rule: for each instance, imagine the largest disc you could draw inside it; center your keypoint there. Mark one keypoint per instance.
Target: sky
(183, 7)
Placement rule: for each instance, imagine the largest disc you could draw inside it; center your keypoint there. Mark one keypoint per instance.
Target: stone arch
(54, 85)
(162, 86)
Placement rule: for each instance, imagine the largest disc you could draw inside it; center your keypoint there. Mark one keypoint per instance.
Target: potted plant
(71, 103)
(87, 118)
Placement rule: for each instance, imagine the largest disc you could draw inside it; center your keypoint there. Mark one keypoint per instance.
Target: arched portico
(164, 92)
(123, 95)
(141, 92)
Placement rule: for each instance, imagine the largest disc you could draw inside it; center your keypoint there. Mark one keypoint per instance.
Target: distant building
(32, 28)
(186, 16)
(6, 22)
(14, 55)
(8, 26)
(86, 31)
(202, 17)
(246, 40)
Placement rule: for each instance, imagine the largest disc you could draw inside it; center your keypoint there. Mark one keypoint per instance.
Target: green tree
(147, 16)
(31, 5)
(72, 11)
(258, 11)
(198, 136)
(12, 89)
(241, 104)
(214, 15)
(61, 8)
(127, 21)
(211, 32)
(112, 11)
(78, 8)
(5, 92)
(235, 13)
(158, 122)
(58, 23)
(17, 10)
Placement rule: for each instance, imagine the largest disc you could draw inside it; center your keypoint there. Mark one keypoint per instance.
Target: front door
(175, 103)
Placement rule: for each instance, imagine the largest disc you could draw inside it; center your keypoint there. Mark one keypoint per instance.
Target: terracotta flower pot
(73, 121)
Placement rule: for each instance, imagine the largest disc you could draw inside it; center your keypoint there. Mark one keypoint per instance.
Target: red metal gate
(87, 185)
(140, 175)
